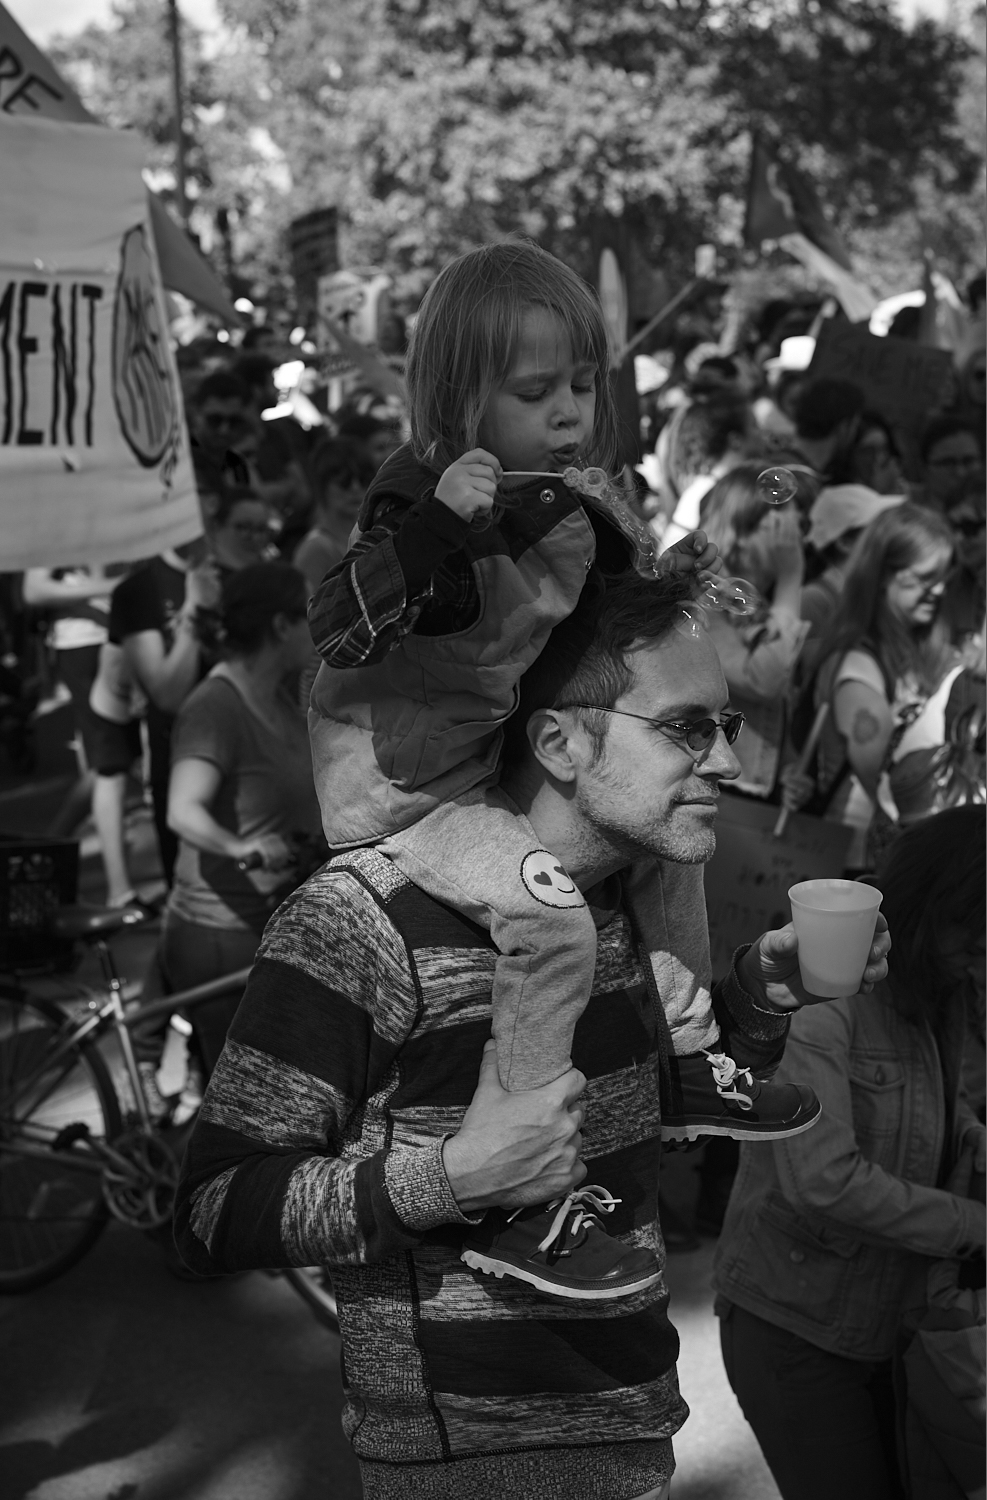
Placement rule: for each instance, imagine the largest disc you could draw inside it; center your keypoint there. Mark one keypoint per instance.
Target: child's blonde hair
(466, 339)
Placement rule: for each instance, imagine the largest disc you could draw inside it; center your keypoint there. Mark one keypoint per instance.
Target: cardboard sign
(94, 463)
(749, 876)
(902, 379)
(313, 242)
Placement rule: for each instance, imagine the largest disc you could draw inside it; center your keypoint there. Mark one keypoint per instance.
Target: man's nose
(719, 760)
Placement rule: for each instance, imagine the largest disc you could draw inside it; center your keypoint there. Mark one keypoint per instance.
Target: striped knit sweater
(354, 1053)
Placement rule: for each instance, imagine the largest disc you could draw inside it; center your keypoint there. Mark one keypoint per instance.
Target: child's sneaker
(562, 1249)
(711, 1095)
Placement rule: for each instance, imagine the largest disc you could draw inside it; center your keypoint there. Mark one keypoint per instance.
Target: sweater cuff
(419, 1190)
(426, 536)
(759, 1024)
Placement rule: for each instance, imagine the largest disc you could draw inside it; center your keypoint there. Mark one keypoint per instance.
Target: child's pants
(481, 856)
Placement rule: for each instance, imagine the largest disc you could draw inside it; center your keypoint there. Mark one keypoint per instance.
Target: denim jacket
(827, 1231)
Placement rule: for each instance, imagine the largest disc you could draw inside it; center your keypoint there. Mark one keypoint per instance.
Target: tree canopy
(438, 124)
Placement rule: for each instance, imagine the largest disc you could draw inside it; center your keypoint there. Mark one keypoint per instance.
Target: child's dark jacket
(425, 629)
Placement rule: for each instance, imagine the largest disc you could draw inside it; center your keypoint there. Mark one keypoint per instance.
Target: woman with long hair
(885, 654)
(829, 1236)
(758, 654)
(241, 790)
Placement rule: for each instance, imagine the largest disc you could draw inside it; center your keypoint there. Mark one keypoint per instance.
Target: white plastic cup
(834, 923)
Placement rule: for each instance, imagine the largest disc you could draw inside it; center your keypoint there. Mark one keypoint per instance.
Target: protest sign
(902, 379)
(749, 876)
(94, 458)
(313, 244)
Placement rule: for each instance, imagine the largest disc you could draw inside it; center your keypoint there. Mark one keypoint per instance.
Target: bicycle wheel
(314, 1286)
(51, 1207)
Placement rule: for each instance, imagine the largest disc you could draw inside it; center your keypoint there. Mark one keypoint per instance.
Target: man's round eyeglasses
(697, 734)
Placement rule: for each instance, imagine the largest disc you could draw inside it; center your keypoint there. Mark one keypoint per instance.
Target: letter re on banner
(94, 458)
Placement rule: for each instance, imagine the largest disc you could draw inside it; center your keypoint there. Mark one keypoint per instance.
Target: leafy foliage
(437, 124)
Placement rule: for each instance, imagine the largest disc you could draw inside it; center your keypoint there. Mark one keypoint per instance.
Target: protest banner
(901, 379)
(31, 86)
(94, 458)
(749, 876)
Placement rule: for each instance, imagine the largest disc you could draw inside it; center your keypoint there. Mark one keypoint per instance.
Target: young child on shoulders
(476, 540)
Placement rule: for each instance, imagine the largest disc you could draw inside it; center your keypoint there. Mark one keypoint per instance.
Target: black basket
(37, 876)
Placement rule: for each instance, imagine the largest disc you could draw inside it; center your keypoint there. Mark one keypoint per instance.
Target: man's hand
(769, 970)
(513, 1150)
(469, 485)
(693, 554)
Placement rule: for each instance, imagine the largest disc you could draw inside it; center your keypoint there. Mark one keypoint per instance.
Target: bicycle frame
(117, 1015)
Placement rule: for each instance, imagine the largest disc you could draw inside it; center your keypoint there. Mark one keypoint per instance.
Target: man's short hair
(221, 386)
(941, 428)
(586, 657)
(254, 370)
(823, 404)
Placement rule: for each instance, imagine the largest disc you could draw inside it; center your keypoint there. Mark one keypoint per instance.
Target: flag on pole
(783, 205)
(32, 88)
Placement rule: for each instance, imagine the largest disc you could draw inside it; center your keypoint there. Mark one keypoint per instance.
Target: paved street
(119, 1382)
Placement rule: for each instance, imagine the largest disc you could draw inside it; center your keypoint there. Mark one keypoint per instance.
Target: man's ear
(558, 742)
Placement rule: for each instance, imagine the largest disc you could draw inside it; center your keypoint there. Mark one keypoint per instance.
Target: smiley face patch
(545, 878)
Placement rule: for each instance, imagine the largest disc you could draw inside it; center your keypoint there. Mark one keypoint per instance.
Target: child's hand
(469, 485)
(691, 555)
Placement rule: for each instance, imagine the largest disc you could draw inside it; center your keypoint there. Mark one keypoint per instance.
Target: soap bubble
(691, 621)
(777, 486)
(595, 481)
(734, 596)
(592, 482)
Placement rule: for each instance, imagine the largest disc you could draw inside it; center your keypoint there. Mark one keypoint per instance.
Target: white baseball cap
(845, 507)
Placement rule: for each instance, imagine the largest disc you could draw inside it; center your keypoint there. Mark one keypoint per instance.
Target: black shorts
(115, 747)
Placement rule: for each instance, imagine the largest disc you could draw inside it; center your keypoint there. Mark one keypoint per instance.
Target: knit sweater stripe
(320, 1140)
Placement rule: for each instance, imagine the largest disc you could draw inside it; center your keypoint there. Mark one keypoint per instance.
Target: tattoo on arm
(866, 727)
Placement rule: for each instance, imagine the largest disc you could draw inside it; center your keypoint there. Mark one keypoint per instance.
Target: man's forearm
(754, 1031)
(270, 1208)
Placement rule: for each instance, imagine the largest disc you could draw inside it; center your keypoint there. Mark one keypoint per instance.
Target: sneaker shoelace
(584, 1205)
(726, 1072)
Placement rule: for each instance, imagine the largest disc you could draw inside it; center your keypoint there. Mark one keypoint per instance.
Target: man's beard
(614, 828)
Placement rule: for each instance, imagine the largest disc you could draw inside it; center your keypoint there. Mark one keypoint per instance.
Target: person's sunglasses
(697, 735)
(969, 527)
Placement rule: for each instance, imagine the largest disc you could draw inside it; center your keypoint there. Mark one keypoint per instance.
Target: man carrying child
(357, 1119)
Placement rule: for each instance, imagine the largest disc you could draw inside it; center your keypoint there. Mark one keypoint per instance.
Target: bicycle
(72, 1154)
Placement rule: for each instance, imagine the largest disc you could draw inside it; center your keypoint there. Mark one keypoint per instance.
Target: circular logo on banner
(143, 391)
(545, 879)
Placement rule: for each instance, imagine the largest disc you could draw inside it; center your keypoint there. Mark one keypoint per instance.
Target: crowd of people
(416, 580)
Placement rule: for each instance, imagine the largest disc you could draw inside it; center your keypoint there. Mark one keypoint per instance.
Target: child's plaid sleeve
(373, 597)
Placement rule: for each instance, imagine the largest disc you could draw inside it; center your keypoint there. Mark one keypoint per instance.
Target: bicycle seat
(88, 924)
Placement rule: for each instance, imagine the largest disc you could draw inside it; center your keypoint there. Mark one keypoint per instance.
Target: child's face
(541, 417)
